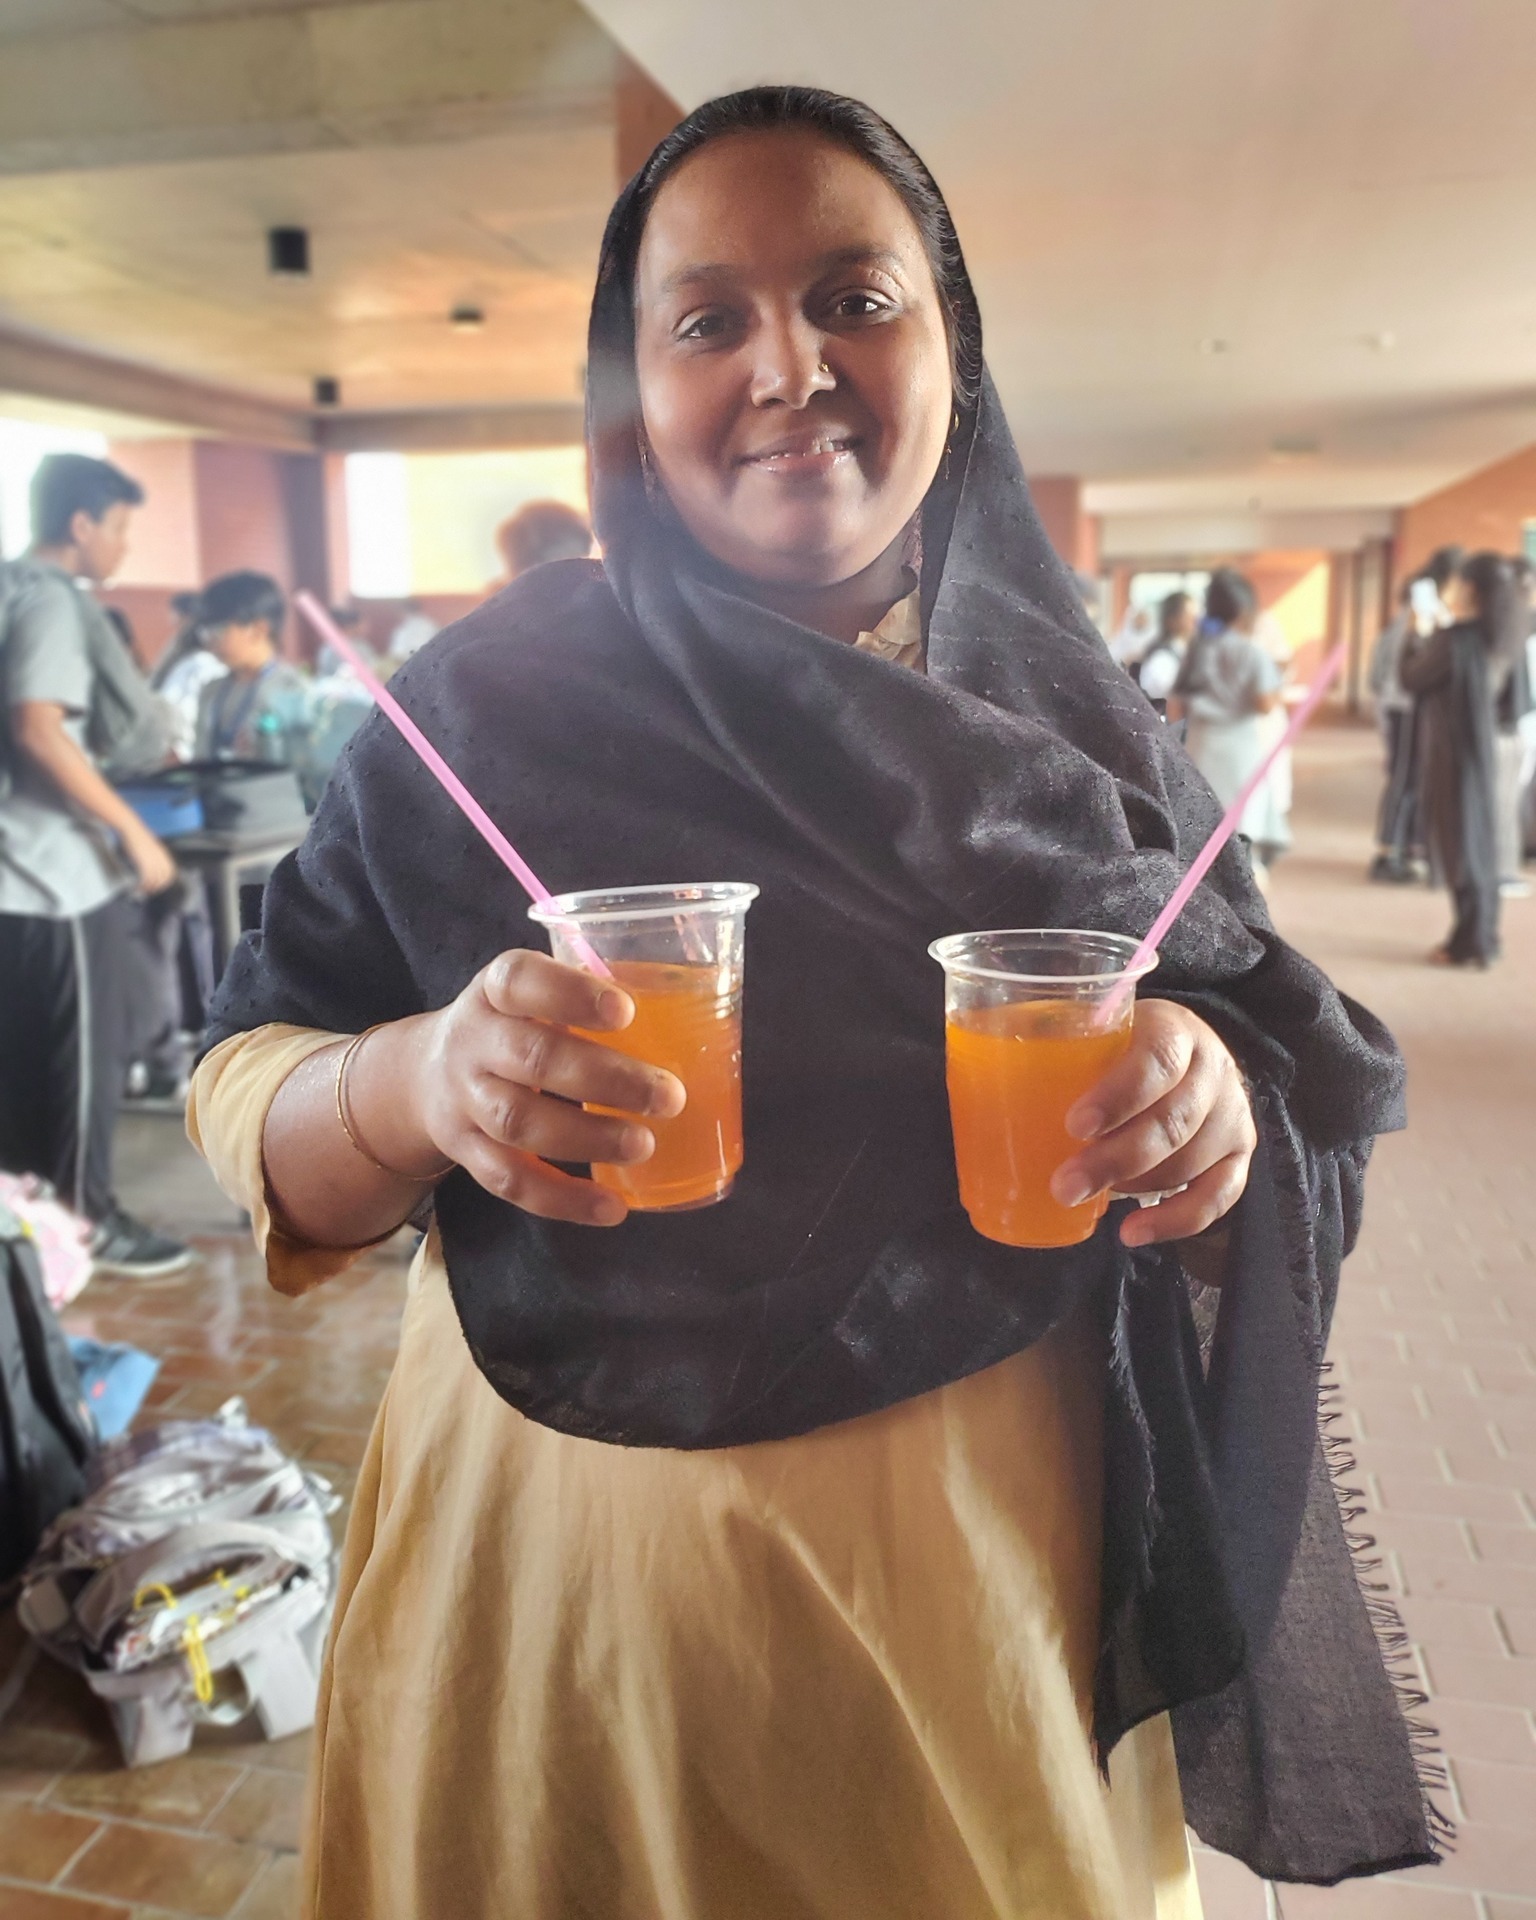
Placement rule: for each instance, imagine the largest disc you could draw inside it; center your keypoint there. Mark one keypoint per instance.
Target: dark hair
(240, 600)
(543, 530)
(69, 483)
(1441, 564)
(1502, 613)
(1169, 608)
(859, 130)
(1230, 597)
(1521, 567)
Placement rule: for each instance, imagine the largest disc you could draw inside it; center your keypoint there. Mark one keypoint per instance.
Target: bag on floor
(46, 1433)
(192, 1584)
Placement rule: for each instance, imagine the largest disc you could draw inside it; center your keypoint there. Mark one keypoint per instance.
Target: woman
(1226, 687)
(1157, 671)
(805, 1555)
(1461, 674)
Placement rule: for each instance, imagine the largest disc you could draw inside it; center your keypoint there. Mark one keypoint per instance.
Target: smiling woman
(810, 1554)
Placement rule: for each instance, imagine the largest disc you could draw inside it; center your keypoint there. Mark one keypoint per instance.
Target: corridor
(1435, 1347)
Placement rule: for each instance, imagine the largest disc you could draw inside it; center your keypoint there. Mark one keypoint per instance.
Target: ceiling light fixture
(288, 251)
(466, 318)
(1382, 342)
(327, 390)
(1213, 343)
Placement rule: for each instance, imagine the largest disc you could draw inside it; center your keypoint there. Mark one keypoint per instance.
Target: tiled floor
(81, 1838)
(1435, 1342)
(1436, 1345)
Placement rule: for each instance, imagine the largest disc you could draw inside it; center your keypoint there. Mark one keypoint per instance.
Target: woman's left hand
(1173, 1112)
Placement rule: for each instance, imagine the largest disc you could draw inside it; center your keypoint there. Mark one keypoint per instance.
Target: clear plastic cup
(1025, 1039)
(678, 952)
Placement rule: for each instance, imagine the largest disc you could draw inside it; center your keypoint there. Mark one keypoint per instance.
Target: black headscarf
(648, 721)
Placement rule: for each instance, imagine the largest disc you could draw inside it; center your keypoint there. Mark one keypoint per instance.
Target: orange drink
(678, 952)
(1026, 1037)
(683, 1023)
(1015, 1071)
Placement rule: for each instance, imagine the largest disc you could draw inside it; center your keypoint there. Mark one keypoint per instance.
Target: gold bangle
(344, 1115)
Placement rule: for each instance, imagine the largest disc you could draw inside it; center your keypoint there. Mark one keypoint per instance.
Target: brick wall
(1487, 509)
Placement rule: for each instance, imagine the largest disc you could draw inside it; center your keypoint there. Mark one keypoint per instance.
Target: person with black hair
(809, 1553)
(1460, 674)
(259, 709)
(1226, 684)
(1157, 670)
(71, 851)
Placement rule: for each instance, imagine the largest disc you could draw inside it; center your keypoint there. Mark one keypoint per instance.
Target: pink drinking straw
(1327, 674)
(437, 766)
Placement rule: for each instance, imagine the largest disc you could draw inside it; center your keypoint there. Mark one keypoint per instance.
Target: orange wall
(212, 507)
(1487, 509)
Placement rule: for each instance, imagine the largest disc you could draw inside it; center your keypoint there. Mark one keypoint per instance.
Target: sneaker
(124, 1245)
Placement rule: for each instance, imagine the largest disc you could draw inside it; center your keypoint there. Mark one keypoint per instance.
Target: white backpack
(193, 1583)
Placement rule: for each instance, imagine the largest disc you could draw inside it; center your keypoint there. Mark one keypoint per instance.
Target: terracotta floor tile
(275, 1896)
(1454, 1500)
(37, 1843)
(1474, 1730)
(1500, 1583)
(1499, 1679)
(33, 1758)
(1497, 1796)
(1376, 1900)
(1502, 1909)
(1512, 1546)
(32, 1903)
(1468, 1624)
(265, 1808)
(176, 1793)
(1228, 1891)
(185, 1872)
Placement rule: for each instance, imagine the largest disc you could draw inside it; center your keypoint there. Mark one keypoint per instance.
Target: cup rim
(663, 901)
(945, 952)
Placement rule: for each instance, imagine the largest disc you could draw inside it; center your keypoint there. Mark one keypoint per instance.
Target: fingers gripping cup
(678, 953)
(1027, 1033)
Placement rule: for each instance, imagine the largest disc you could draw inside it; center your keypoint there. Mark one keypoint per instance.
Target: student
(805, 1554)
(259, 709)
(1226, 684)
(1157, 670)
(71, 852)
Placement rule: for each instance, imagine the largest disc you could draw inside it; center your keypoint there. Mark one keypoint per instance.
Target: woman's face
(1459, 598)
(794, 372)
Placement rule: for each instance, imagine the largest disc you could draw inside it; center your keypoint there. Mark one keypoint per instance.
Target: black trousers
(64, 1048)
(1397, 821)
(1475, 934)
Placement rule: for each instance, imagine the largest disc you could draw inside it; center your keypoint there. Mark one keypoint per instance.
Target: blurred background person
(1512, 706)
(1525, 579)
(1396, 818)
(412, 632)
(259, 708)
(1156, 670)
(543, 530)
(1133, 636)
(71, 852)
(1458, 674)
(1225, 687)
(183, 671)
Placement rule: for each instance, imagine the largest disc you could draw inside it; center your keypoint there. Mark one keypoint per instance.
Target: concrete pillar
(1073, 533)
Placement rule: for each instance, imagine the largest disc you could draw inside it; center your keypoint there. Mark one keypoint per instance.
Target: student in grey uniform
(260, 708)
(72, 852)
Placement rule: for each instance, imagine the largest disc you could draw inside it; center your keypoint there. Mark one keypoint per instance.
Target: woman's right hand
(496, 1080)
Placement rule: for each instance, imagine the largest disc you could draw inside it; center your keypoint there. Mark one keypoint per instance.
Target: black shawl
(644, 720)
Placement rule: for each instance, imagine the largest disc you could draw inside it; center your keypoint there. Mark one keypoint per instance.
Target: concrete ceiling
(442, 153)
(1257, 255)
(1236, 257)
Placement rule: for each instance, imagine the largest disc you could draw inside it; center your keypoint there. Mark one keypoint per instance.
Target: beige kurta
(842, 1677)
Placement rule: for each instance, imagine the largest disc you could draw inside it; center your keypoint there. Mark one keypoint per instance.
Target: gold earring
(824, 368)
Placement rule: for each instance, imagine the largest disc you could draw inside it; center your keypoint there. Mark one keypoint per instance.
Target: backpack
(192, 1584)
(47, 1435)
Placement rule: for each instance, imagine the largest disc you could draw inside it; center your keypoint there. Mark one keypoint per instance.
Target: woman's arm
(493, 1083)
